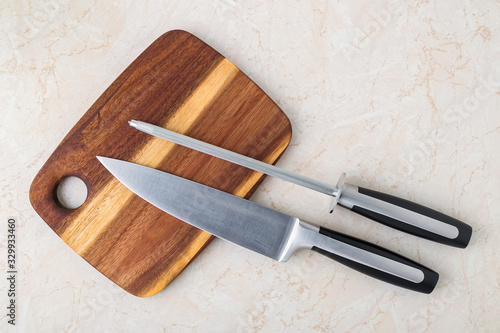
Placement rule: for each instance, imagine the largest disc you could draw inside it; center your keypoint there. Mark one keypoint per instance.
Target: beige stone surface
(403, 97)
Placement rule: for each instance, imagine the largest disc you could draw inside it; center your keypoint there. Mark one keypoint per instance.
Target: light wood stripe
(82, 231)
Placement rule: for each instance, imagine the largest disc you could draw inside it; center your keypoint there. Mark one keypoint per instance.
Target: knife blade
(264, 230)
(389, 210)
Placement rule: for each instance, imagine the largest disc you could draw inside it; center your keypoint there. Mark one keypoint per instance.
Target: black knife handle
(371, 260)
(406, 216)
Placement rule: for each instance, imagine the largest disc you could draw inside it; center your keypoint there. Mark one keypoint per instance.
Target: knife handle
(375, 261)
(406, 216)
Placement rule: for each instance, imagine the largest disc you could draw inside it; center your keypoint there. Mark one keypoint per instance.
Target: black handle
(377, 262)
(406, 216)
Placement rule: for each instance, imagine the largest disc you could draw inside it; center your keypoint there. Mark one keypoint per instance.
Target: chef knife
(264, 230)
(392, 211)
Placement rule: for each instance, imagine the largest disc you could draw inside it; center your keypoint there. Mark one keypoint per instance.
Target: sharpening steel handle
(406, 216)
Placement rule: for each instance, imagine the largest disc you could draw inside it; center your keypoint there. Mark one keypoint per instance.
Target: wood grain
(184, 85)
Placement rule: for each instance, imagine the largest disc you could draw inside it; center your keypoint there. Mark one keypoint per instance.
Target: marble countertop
(404, 98)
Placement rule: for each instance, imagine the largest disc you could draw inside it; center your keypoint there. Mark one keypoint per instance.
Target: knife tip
(103, 159)
(106, 161)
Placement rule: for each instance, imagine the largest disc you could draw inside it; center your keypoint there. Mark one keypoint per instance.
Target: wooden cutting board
(182, 84)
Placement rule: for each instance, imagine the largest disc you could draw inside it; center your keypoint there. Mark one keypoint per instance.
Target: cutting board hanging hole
(71, 192)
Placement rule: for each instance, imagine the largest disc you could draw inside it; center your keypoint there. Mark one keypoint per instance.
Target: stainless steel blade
(255, 227)
(226, 216)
